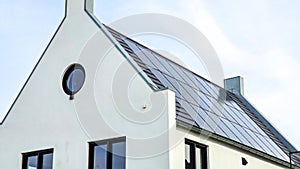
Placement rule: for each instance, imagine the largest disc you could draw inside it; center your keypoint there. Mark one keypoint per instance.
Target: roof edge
(260, 117)
(36, 65)
(121, 50)
(235, 144)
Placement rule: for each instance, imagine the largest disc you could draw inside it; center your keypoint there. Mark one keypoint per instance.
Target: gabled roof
(207, 106)
(204, 105)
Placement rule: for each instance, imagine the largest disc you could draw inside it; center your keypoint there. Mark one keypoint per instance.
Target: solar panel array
(200, 102)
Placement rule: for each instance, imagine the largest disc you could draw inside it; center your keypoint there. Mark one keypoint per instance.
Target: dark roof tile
(203, 104)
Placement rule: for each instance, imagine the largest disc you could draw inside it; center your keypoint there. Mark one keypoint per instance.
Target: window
(38, 160)
(195, 155)
(73, 79)
(107, 154)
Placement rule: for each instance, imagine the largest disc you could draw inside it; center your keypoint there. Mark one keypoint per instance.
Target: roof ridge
(285, 145)
(117, 32)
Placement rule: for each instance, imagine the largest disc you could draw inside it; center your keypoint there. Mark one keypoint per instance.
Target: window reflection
(198, 158)
(38, 160)
(118, 155)
(108, 154)
(195, 155)
(32, 162)
(47, 161)
(187, 157)
(100, 157)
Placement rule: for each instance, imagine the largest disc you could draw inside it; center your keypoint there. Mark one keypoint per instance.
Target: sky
(255, 39)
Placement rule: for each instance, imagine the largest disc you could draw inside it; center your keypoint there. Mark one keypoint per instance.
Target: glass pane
(166, 65)
(160, 76)
(149, 56)
(131, 45)
(227, 131)
(205, 102)
(206, 86)
(238, 132)
(190, 94)
(118, 155)
(192, 111)
(246, 135)
(175, 84)
(220, 132)
(75, 80)
(139, 53)
(216, 107)
(176, 71)
(257, 140)
(192, 77)
(234, 115)
(235, 105)
(275, 147)
(188, 77)
(227, 115)
(32, 162)
(199, 116)
(269, 149)
(202, 85)
(47, 161)
(252, 125)
(201, 112)
(198, 158)
(214, 91)
(187, 156)
(155, 61)
(100, 157)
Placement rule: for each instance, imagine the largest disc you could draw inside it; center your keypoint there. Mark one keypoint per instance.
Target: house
(99, 100)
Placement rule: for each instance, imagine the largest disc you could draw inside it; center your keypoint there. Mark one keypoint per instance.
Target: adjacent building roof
(207, 106)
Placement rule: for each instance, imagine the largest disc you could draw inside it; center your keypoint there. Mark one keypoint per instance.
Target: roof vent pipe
(235, 85)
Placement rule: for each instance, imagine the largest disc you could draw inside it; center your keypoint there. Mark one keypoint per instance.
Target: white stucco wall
(114, 101)
(220, 155)
(44, 117)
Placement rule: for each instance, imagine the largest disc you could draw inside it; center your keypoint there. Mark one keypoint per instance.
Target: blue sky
(255, 39)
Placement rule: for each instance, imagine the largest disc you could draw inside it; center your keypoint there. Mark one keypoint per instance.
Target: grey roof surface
(205, 105)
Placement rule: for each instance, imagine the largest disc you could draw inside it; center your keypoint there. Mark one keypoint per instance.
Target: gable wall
(44, 117)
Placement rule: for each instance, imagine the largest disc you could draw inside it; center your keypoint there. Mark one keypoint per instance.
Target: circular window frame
(70, 69)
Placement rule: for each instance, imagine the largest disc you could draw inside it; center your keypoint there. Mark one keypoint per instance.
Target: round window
(73, 79)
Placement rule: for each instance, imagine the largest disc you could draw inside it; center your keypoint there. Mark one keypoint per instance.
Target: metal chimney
(235, 85)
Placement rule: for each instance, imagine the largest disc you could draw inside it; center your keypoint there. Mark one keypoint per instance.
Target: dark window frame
(109, 154)
(204, 153)
(39, 155)
(68, 72)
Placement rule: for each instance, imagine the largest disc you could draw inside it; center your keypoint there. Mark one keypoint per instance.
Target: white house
(100, 100)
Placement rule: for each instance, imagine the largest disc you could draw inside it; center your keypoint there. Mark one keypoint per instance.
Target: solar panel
(200, 101)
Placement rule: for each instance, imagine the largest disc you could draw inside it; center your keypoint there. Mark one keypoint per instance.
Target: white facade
(220, 155)
(115, 101)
